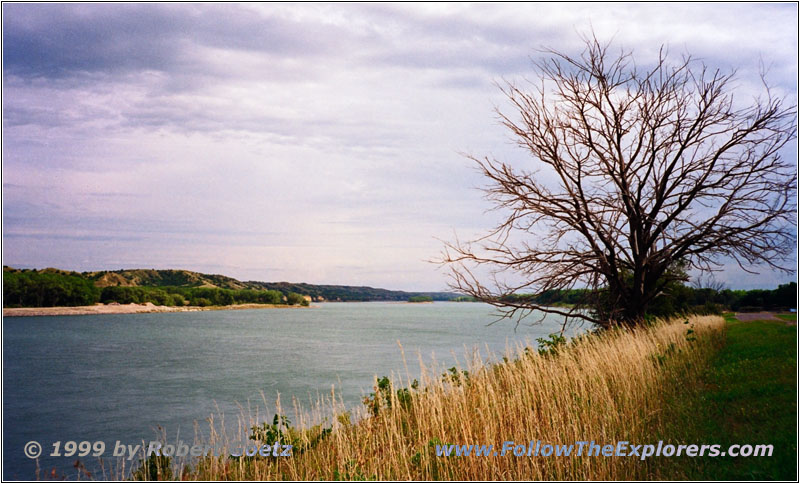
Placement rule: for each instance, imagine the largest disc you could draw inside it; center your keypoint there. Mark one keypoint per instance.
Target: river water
(119, 377)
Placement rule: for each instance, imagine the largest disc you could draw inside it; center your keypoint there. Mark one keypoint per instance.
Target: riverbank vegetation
(47, 288)
(55, 287)
(677, 381)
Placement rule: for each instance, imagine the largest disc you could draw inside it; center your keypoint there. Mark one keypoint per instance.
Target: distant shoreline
(131, 308)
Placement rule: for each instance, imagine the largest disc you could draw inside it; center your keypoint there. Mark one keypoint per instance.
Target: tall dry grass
(607, 388)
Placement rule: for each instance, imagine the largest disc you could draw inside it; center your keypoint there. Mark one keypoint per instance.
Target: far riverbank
(131, 308)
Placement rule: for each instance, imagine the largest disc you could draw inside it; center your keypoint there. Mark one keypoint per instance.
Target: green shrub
(552, 344)
(200, 301)
(382, 396)
(176, 300)
(282, 432)
(293, 299)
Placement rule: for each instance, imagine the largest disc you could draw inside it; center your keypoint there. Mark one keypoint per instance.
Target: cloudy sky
(315, 143)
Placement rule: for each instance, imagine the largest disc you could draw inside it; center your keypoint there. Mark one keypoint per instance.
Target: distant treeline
(30, 288)
(681, 298)
(782, 298)
(44, 289)
(54, 287)
(175, 287)
(350, 293)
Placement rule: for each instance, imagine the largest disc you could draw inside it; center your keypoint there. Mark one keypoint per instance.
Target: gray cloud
(297, 142)
(58, 40)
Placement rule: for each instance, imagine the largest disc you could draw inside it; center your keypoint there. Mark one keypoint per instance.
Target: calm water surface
(118, 377)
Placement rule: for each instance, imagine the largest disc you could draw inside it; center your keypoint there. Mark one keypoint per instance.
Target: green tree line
(30, 288)
(680, 298)
(41, 289)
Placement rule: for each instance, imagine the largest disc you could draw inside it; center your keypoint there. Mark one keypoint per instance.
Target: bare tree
(708, 282)
(640, 174)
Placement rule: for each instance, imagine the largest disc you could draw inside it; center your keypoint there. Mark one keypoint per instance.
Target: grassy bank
(618, 386)
(747, 394)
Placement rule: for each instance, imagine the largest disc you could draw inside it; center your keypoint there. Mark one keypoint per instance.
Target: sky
(319, 143)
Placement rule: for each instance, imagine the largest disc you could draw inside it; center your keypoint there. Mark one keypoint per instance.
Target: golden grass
(607, 388)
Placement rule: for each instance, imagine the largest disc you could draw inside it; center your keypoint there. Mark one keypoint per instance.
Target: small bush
(552, 344)
(293, 299)
(176, 300)
(200, 301)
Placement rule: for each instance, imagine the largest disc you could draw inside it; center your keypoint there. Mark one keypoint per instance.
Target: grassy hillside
(160, 277)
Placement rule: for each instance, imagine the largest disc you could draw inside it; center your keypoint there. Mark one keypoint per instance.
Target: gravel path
(762, 316)
(756, 316)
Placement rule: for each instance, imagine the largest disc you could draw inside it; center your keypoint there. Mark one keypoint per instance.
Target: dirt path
(763, 316)
(757, 316)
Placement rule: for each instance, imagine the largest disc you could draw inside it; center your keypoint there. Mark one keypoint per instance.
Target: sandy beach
(127, 309)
